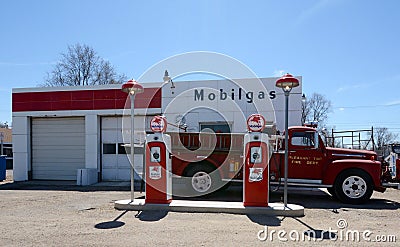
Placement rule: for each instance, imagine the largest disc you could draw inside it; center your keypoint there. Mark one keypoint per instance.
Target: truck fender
(372, 167)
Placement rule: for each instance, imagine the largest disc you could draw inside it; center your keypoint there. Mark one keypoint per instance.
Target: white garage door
(58, 147)
(115, 133)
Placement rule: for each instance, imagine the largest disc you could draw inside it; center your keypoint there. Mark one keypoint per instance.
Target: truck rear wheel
(203, 180)
(353, 186)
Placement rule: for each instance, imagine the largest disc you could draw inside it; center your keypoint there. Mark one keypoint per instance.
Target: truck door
(306, 159)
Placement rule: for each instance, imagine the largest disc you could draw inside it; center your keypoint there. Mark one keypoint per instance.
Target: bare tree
(4, 124)
(80, 66)
(383, 136)
(316, 108)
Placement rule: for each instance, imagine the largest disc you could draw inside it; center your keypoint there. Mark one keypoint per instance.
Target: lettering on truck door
(305, 161)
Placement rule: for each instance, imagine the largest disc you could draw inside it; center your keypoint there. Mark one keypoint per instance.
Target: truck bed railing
(216, 141)
(353, 139)
(207, 141)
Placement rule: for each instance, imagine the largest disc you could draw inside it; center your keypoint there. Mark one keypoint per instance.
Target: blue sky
(347, 50)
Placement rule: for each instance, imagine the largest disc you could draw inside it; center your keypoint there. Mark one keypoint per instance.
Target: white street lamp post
(132, 88)
(286, 82)
(303, 109)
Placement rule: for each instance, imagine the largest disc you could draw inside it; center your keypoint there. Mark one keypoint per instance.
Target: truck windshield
(305, 139)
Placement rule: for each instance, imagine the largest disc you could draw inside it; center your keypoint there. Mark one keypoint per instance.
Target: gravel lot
(59, 214)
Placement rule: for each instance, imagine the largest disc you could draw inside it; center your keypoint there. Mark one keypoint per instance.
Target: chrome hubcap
(201, 181)
(354, 187)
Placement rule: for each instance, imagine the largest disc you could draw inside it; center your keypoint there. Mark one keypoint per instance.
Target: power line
(369, 123)
(366, 106)
(393, 127)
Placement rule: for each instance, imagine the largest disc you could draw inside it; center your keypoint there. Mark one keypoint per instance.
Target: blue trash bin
(2, 167)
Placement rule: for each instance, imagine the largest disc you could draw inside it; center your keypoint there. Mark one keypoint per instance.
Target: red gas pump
(256, 158)
(158, 164)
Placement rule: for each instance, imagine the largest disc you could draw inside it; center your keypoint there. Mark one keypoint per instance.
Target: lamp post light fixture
(132, 88)
(303, 109)
(167, 79)
(286, 82)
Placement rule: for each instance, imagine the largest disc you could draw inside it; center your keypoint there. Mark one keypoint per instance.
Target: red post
(256, 159)
(158, 169)
(158, 163)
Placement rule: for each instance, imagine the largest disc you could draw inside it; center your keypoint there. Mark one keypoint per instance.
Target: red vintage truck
(209, 161)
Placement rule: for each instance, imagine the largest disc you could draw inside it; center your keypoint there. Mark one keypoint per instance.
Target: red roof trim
(83, 100)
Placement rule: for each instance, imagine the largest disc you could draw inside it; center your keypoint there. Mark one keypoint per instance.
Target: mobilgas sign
(233, 94)
(158, 124)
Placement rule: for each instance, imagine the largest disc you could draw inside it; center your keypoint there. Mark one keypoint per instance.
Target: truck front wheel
(353, 186)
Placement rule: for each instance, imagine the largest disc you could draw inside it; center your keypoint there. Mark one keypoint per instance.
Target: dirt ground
(37, 214)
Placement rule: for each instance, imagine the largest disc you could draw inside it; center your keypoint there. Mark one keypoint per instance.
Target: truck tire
(353, 186)
(203, 180)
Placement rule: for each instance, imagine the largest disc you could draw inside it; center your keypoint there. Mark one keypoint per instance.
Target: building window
(139, 150)
(122, 149)
(8, 151)
(109, 148)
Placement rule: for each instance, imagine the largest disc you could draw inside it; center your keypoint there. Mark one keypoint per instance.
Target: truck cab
(348, 174)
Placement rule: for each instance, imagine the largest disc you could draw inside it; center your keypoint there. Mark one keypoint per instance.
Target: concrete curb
(273, 209)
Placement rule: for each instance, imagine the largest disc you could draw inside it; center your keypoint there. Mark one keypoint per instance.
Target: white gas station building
(60, 130)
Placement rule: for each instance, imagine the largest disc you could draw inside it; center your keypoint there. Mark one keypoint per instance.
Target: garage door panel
(58, 140)
(55, 160)
(109, 122)
(123, 139)
(110, 174)
(109, 136)
(124, 174)
(57, 121)
(61, 153)
(62, 165)
(109, 161)
(114, 130)
(123, 161)
(126, 123)
(58, 147)
(125, 136)
(54, 176)
(57, 171)
(58, 135)
(56, 128)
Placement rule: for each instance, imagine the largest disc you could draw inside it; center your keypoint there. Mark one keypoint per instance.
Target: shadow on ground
(309, 198)
(111, 224)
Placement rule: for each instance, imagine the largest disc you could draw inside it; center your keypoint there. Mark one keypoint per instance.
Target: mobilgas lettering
(198, 96)
(272, 94)
(235, 94)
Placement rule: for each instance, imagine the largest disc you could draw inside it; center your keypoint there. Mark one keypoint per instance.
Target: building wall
(232, 101)
(91, 102)
(217, 104)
